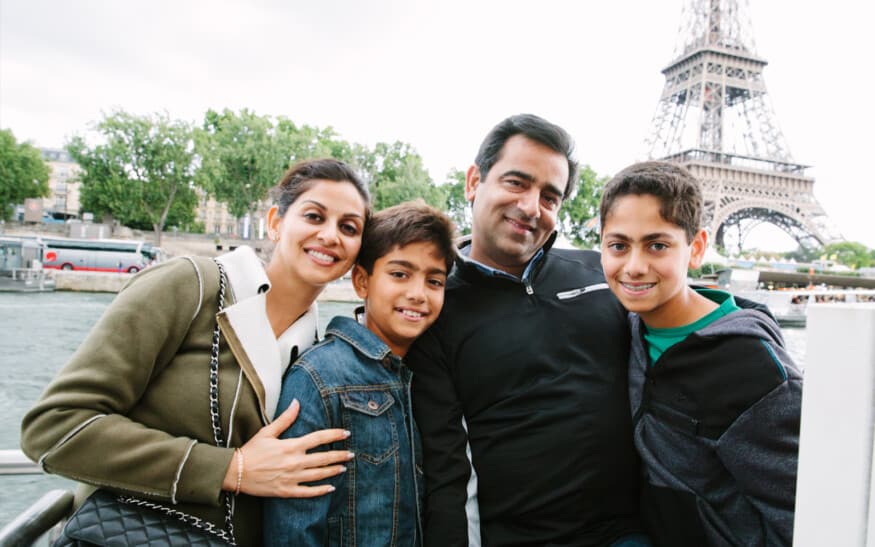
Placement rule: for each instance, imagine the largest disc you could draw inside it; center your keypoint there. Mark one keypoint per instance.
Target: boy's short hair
(403, 224)
(678, 191)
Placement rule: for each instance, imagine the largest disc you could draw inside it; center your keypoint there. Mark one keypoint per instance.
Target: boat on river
(781, 293)
(790, 306)
(21, 267)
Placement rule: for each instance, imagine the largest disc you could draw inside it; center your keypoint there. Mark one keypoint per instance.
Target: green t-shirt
(659, 340)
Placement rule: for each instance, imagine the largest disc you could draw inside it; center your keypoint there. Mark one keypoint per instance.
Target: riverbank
(112, 282)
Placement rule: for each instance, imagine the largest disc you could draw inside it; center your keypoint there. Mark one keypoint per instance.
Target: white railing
(834, 501)
(14, 462)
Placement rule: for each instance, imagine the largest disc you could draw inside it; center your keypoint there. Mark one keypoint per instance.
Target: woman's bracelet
(239, 452)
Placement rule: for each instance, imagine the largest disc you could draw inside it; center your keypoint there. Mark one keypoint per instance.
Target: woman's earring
(274, 237)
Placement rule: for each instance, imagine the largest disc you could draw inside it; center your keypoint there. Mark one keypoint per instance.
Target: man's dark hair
(403, 224)
(301, 176)
(678, 192)
(534, 128)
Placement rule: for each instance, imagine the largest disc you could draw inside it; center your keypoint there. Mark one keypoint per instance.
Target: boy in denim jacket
(356, 379)
(715, 396)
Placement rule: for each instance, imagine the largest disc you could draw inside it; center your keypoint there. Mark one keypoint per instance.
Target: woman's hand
(274, 467)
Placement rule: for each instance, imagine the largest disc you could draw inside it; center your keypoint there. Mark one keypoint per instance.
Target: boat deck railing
(39, 521)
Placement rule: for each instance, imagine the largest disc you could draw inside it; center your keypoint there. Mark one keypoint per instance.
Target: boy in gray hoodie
(715, 396)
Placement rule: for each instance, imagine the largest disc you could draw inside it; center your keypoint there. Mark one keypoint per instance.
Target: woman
(131, 411)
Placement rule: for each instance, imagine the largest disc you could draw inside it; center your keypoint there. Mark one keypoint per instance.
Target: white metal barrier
(14, 462)
(834, 501)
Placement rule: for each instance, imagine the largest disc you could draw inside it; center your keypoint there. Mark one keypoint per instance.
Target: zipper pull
(529, 290)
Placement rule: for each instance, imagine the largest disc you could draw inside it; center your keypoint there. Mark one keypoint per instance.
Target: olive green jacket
(130, 411)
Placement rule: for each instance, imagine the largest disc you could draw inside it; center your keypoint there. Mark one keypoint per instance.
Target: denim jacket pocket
(367, 415)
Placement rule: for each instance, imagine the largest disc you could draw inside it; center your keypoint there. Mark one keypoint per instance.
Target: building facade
(216, 219)
(63, 199)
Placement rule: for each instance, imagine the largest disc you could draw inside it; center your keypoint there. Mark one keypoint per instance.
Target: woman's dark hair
(299, 178)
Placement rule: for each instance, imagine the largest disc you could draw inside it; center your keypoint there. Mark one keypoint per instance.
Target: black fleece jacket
(537, 369)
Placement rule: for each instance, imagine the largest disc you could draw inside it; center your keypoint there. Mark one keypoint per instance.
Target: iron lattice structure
(715, 118)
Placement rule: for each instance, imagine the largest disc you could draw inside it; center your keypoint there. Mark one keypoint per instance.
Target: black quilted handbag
(108, 519)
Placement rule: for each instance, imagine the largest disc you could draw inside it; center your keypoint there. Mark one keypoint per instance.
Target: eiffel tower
(715, 118)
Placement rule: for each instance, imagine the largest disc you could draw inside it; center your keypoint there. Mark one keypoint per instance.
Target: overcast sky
(438, 74)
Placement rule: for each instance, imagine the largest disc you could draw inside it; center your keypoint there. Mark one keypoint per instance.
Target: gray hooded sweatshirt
(716, 422)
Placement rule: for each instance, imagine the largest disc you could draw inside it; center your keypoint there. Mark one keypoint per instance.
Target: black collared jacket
(530, 376)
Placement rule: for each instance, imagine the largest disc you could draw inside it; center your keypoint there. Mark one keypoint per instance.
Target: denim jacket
(351, 380)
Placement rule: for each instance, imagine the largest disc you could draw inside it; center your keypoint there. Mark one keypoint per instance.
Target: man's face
(515, 207)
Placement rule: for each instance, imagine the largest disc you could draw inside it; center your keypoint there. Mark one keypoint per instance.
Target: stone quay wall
(339, 291)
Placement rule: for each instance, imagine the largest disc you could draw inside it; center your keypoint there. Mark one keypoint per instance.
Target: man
(520, 386)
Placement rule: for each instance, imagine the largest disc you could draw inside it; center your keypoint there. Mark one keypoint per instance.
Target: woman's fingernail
(346, 434)
(343, 469)
(331, 488)
(350, 455)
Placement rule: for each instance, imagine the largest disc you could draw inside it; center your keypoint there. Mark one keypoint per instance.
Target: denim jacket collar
(362, 339)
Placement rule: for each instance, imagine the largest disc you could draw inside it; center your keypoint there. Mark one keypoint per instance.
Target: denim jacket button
(373, 405)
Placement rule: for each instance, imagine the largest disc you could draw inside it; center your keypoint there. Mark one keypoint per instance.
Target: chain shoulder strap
(215, 416)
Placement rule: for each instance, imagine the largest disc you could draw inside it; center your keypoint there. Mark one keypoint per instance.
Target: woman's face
(318, 238)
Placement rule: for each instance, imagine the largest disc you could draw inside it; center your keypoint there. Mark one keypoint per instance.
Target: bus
(98, 255)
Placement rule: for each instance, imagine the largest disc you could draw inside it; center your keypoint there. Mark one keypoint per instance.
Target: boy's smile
(645, 259)
(404, 294)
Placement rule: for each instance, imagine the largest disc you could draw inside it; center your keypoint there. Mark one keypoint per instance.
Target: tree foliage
(850, 253)
(804, 254)
(395, 173)
(578, 216)
(23, 173)
(142, 175)
(145, 172)
(456, 205)
(242, 157)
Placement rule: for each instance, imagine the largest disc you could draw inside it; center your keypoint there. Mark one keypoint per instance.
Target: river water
(39, 332)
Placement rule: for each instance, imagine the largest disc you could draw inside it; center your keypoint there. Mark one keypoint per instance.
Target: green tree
(578, 216)
(307, 142)
(23, 173)
(457, 206)
(395, 173)
(143, 173)
(850, 253)
(804, 254)
(242, 156)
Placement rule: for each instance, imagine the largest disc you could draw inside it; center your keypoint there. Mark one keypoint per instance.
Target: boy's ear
(472, 180)
(697, 249)
(360, 281)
